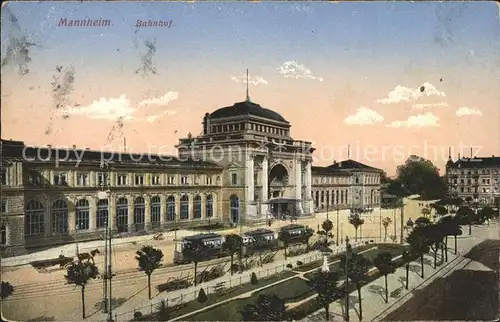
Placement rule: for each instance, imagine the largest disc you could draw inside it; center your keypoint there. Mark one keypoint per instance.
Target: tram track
(130, 278)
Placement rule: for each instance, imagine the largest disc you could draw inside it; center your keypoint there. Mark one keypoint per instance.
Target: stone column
(265, 186)
(71, 178)
(251, 209)
(92, 179)
(191, 206)
(203, 206)
(112, 211)
(298, 186)
(47, 217)
(92, 213)
(309, 207)
(131, 213)
(177, 207)
(147, 212)
(163, 209)
(72, 216)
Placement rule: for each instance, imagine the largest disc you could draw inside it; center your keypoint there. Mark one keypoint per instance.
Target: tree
(202, 296)
(434, 236)
(418, 244)
(420, 176)
(356, 221)
(450, 227)
(386, 222)
(79, 274)
(285, 237)
(440, 210)
(466, 216)
(195, 251)
(325, 285)
(149, 258)
(486, 214)
(422, 222)
(327, 226)
(233, 245)
(357, 267)
(6, 290)
(425, 212)
(266, 308)
(163, 312)
(260, 245)
(383, 262)
(408, 257)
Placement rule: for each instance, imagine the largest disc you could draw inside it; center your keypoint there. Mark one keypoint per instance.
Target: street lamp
(337, 224)
(348, 254)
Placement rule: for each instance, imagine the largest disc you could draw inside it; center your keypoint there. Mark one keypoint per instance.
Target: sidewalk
(373, 294)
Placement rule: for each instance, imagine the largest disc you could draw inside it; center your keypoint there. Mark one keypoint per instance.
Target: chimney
(49, 146)
(471, 152)
(74, 147)
(458, 156)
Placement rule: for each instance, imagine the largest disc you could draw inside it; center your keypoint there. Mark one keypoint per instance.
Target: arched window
(197, 207)
(122, 215)
(184, 208)
(342, 196)
(155, 212)
(209, 206)
(171, 208)
(60, 217)
(139, 214)
(337, 197)
(3, 235)
(317, 199)
(82, 215)
(327, 198)
(322, 199)
(102, 213)
(234, 203)
(346, 196)
(34, 224)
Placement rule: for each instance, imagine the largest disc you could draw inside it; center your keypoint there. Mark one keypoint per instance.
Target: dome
(247, 108)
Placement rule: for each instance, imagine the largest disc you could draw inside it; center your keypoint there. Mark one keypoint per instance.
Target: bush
(371, 241)
(299, 263)
(289, 266)
(202, 296)
(162, 308)
(137, 315)
(366, 242)
(253, 279)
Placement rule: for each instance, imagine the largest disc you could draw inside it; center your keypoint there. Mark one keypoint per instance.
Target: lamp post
(76, 239)
(348, 253)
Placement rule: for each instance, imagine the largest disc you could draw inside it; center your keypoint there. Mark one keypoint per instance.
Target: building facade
(243, 168)
(476, 178)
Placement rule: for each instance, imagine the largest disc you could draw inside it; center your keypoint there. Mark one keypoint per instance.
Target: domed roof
(247, 108)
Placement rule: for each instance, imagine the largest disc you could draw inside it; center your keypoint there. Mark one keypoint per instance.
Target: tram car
(258, 238)
(212, 241)
(295, 232)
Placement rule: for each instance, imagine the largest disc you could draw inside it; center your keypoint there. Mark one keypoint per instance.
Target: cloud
(468, 111)
(254, 80)
(164, 100)
(364, 116)
(422, 120)
(296, 70)
(429, 105)
(406, 94)
(121, 108)
(301, 8)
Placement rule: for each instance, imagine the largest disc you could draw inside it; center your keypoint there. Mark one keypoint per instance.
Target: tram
(212, 241)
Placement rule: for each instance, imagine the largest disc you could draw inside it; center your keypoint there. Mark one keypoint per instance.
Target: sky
(389, 79)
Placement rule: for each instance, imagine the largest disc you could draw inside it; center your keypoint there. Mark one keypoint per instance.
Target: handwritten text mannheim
(64, 22)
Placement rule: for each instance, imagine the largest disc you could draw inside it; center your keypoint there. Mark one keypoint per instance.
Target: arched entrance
(278, 179)
(234, 203)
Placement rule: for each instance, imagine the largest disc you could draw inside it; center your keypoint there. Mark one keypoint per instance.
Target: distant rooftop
(352, 165)
(475, 162)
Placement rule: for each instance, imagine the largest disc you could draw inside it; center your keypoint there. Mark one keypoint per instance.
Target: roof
(352, 165)
(282, 200)
(12, 150)
(202, 236)
(293, 227)
(260, 231)
(476, 162)
(247, 108)
(329, 171)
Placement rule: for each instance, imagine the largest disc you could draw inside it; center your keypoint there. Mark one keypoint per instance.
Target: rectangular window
(4, 206)
(171, 180)
(234, 179)
(3, 177)
(121, 180)
(102, 178)
(184, 179)
(139, 180)
(60, 179)
(155, 180)
(34, 178)
(82, 179)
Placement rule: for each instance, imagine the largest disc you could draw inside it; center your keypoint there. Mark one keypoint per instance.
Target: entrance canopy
(281, 200)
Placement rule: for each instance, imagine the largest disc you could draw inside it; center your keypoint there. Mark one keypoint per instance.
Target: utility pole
(337, 225)
(402, 220)
(110, 310)
(105, 278)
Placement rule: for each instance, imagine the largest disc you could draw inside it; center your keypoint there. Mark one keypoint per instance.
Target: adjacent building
(476, 178)
(243, 168)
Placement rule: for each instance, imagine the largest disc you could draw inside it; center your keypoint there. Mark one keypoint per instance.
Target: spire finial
(449, 152)
(248, 95)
